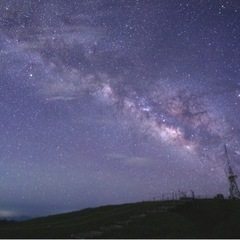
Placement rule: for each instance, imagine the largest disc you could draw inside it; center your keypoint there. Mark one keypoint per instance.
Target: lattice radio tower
(233, 187)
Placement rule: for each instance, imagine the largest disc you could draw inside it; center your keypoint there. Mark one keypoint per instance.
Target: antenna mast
(233, 187)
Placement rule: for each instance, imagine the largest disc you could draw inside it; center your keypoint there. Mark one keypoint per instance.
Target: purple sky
(105, 102)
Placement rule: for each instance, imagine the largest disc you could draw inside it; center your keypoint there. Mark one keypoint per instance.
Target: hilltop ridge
(205, 218)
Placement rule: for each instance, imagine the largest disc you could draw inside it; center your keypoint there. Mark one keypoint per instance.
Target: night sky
(106, 102)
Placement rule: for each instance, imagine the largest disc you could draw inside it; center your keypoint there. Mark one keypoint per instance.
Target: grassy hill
(209, 218)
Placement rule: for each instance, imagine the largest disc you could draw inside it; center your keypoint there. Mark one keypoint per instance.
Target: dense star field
(108, 102)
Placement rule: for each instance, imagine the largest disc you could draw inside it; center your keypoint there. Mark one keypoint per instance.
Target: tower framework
(233, 187)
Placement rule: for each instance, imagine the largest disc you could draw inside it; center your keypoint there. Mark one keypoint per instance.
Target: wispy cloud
(138, 161)
(131, 161)
(5, 213)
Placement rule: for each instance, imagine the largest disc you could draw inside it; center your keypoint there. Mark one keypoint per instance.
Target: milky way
(106, 102)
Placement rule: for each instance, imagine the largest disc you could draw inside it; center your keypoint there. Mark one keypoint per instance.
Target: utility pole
(233, 187)
(193, 194)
